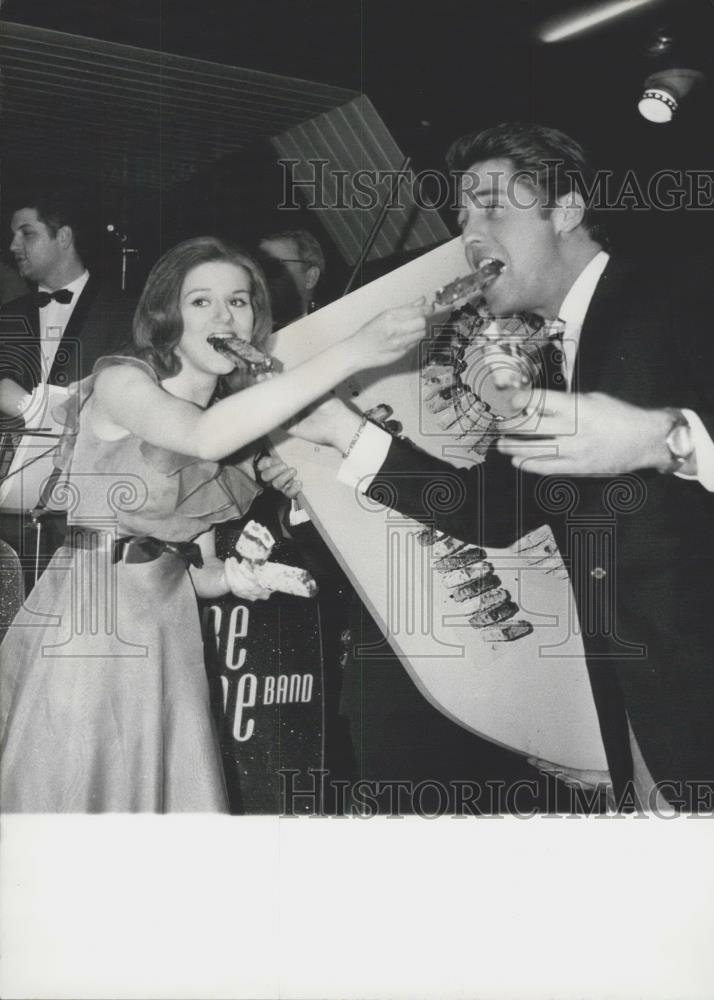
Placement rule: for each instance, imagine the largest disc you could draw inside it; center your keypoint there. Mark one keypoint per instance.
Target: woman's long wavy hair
(158, 325)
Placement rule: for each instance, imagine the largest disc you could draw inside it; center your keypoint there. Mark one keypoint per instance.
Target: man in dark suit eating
(624, 474)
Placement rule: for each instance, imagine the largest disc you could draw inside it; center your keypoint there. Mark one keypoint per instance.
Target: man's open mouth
(463, 289)
(488, 269)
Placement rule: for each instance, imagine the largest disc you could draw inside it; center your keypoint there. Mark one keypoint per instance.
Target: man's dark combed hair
(57, 208)
(555, 162)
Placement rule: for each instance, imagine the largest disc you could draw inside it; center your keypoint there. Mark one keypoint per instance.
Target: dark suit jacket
(640, 547)
(100, 323)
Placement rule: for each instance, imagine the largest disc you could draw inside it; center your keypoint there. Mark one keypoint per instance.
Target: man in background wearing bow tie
(67, 306)
(55, 332)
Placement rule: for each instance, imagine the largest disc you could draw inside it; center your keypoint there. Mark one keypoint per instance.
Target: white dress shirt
(370, 451)
(574, 309)
(54, 318)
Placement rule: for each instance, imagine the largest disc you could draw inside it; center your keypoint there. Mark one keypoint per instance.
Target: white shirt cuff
(297, 514)
(366, 458)
(703, 450)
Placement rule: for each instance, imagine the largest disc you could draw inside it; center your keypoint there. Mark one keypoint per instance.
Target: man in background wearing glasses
(294, 263)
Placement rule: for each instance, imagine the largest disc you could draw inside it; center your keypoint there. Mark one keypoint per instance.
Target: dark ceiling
(454, 63)
(433, 70)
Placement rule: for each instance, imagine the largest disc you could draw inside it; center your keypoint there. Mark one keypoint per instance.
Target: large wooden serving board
(533, 694)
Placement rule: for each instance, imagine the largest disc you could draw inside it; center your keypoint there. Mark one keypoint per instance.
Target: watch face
(679, 441)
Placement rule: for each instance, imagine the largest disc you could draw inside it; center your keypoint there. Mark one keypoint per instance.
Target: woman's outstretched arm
(126, 398)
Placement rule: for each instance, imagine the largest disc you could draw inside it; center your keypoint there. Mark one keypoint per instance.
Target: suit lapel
(80, 312)
(22, 309)
(599, 330)
(20, 342)
(73, 354)
(33, 315)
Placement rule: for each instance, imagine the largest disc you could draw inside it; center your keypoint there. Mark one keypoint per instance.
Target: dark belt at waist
(135, 548)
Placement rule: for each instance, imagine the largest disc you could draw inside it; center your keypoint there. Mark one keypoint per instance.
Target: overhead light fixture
(598, 14)
(666, 88)
(664, 91)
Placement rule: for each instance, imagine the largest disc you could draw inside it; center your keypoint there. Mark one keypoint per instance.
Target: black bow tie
(62, 295)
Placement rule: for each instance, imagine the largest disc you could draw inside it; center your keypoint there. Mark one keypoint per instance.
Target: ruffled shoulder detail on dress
(67, 413)
(203, 488)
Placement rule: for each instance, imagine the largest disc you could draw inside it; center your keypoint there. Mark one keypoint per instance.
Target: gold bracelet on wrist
(355, 439)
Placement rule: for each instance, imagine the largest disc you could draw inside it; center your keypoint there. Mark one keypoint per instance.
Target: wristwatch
(679, 441)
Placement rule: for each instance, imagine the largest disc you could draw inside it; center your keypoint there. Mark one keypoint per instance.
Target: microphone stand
(125, 251)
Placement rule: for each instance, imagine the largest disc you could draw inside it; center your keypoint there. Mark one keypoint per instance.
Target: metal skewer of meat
(243, 354)
(463, 289)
